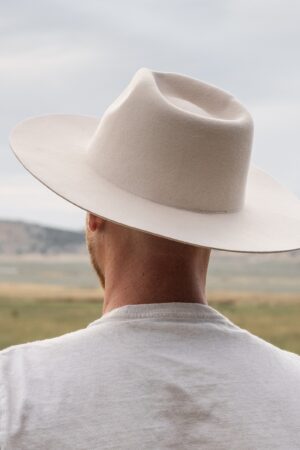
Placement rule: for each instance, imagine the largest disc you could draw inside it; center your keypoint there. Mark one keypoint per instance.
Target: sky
(74, 56)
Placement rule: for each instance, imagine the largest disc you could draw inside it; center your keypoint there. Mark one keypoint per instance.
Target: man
(165, 177)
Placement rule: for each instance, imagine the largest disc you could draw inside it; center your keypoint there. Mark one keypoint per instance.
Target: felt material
(152, 376)
(170, 156)
(154, 144)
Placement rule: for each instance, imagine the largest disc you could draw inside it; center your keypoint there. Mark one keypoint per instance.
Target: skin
(136, 267)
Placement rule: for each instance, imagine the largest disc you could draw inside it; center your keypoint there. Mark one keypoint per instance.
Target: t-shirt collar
(168, 310)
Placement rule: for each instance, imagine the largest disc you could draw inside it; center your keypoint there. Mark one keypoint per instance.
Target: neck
(155, 278)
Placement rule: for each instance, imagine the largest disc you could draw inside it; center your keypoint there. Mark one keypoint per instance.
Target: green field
(25, 321)
(47, 297)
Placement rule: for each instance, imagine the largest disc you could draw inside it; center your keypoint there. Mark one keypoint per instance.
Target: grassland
(44, 298)
(27, 319)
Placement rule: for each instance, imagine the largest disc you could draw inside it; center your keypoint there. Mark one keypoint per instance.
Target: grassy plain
(48, 297)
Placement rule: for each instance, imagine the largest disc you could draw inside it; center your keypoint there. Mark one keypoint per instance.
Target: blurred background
(76, 57)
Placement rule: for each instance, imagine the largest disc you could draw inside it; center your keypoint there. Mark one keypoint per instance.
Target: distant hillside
(18, 238)
(21, 238)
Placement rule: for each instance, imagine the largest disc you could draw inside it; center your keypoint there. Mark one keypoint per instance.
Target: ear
(94, 222)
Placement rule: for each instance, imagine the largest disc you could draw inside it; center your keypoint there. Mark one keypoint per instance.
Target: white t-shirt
(152, 376)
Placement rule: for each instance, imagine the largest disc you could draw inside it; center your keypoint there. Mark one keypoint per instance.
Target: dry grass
(31, 292)
(232, 297)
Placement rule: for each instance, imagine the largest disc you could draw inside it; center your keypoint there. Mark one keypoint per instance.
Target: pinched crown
(176, 141)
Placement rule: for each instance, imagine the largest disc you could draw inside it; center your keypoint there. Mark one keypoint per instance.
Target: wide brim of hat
(53, 149)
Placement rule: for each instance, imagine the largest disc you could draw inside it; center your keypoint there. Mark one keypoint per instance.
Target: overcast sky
(74, 56)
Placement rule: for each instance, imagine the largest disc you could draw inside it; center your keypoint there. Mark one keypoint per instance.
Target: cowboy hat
(171, 157)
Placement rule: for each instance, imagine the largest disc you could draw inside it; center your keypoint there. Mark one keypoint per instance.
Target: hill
(23, 238)
(17, 238)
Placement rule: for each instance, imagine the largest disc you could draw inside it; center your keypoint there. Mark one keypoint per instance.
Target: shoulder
(31, 364)
(30, 372)
(271, 355)
(42, 345)
(41, 357)
(22, 359)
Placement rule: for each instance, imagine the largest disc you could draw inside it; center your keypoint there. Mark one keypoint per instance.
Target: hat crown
(175, 140)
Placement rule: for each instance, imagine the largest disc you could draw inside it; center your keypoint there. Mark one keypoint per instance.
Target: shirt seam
(162, 315)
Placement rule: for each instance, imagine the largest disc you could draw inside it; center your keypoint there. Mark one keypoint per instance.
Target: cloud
(76, 57)
(25, 198)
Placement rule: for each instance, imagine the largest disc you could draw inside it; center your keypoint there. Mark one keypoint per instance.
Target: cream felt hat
(171, 157)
